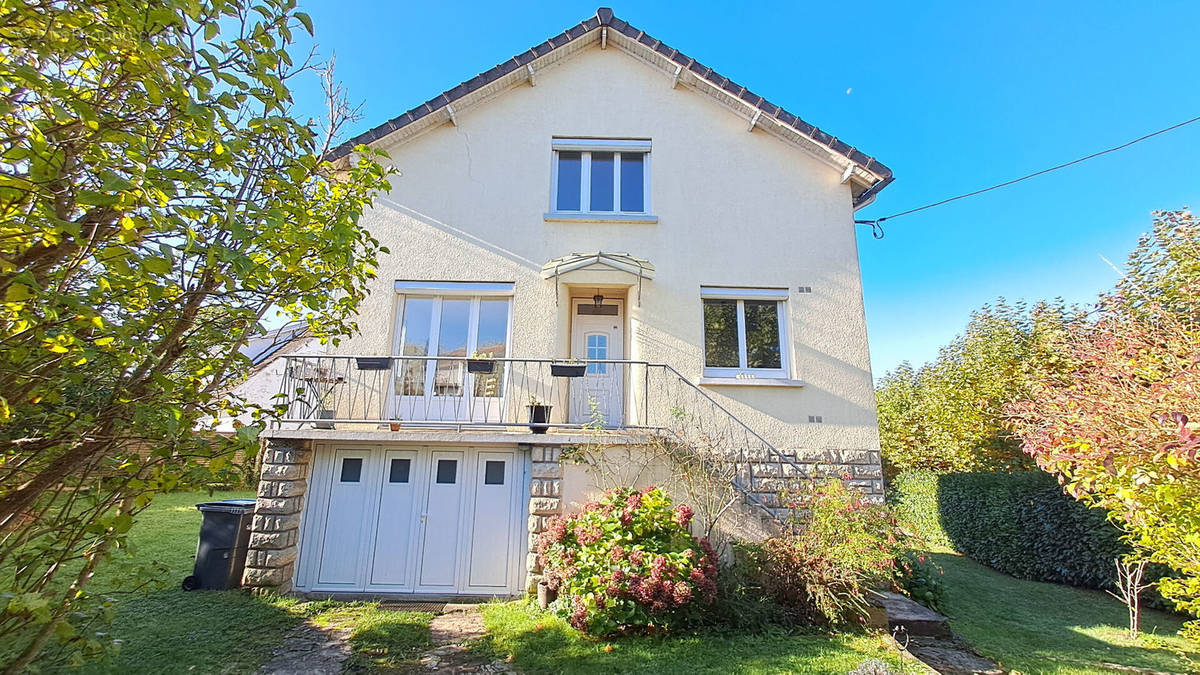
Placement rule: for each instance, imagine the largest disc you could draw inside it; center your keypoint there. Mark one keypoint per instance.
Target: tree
(1121, 430)
(159, 197)
(1163, 272)
(948, 416)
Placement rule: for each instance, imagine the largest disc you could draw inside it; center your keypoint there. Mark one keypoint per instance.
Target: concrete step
(913, 618)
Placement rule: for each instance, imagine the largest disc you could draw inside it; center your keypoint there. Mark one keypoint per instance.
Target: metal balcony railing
(457, 392)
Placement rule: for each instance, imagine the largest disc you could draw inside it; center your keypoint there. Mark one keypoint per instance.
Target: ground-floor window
(745, 332)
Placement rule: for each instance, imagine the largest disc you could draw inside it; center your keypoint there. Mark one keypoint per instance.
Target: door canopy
(640, 268)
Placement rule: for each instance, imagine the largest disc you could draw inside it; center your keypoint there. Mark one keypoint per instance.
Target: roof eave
(868, 173)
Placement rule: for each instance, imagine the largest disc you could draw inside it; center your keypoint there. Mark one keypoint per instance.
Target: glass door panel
(433, 389)
(452, 341)
(491, 341)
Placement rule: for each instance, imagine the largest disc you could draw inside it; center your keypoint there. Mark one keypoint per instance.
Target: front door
(597, 333)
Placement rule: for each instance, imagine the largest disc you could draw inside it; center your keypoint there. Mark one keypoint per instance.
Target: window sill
(564, 217)
(750, 382)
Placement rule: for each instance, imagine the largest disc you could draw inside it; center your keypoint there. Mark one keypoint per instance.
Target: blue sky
(952, 96)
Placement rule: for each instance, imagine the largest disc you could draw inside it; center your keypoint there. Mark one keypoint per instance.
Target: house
(266, 352)
(599, 233)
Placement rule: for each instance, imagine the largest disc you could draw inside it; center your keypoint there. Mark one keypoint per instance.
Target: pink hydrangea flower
(683, 515)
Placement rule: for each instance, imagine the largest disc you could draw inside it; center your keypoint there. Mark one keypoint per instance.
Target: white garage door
(414, 520)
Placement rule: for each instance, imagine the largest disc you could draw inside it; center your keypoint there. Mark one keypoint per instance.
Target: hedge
(912, 497)
(1018, 523)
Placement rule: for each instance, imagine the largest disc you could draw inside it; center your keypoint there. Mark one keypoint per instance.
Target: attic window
(604, 178)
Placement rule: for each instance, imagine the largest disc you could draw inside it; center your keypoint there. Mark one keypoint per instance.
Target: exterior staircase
(756, 469)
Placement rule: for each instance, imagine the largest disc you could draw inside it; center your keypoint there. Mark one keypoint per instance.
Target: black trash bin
(224, 538)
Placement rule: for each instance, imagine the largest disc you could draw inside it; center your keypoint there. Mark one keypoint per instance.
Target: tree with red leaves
(1122, 430)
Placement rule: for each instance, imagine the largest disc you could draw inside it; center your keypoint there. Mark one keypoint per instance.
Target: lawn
(538, 642)
(1027, 626)
(1035, 627)
(164, 629)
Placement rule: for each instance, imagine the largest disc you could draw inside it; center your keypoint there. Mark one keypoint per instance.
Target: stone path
(452, 634)
(926, 635)
(310, 650)
(950, 657)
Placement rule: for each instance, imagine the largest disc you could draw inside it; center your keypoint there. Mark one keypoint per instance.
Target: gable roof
(867, 174)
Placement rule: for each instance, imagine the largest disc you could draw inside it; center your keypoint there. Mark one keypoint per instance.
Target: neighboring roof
(261, 348)
(869, 172)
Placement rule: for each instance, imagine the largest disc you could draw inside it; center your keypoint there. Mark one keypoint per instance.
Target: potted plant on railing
(539, 416)
(481, 363)
(570, 368)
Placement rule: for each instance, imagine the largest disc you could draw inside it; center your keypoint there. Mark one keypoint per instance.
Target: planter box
(373, 363)
(539, 418)
(568, 369)
(481, 366)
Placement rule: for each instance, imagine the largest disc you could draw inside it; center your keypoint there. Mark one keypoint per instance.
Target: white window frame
(440, 291)
(742, 371)
(587, 146)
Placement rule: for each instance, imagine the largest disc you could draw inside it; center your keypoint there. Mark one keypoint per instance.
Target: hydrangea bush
(627, 562)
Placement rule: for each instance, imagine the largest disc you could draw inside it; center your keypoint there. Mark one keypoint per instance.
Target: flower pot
(395, 426)
(539, 418)
(324, 414)
(481, 366)
(568, 369)
(546, 595)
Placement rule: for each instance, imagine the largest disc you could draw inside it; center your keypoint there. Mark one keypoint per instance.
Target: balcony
(460, 393)
(521, 395)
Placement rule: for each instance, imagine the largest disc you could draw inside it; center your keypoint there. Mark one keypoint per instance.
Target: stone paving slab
(310, 650)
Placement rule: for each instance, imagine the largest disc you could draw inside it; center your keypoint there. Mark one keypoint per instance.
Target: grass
(1026, 626)
(161, 626)
(165, 629)
(538, 642)
(1035, 627)
(381, 639)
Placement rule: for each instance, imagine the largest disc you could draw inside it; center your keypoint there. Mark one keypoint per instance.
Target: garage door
(414, 520)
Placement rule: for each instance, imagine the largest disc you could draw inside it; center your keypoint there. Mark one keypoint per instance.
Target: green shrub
(1018, 523)
(913, 499)
(921, 579)
(741, 603)
(627, 562)
(843, 546)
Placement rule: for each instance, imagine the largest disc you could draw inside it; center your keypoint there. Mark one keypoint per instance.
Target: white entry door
(597, 333)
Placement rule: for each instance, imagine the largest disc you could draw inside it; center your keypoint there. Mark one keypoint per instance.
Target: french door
(431, 389)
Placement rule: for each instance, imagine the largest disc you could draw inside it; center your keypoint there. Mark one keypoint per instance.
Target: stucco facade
(732, 206)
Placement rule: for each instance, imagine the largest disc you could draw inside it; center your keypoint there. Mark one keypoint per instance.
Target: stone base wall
(859, 468)
(545, 502)
(283, 485)
(275, 531)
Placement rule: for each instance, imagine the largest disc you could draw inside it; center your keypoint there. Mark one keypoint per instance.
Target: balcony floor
(467, 436)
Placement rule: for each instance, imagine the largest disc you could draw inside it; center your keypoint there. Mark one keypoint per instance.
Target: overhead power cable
(876, 223)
